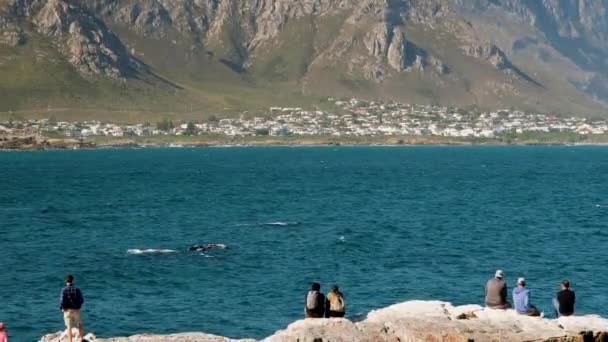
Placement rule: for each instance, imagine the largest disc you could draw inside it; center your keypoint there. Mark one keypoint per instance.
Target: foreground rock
(187, 337)
(416, 321)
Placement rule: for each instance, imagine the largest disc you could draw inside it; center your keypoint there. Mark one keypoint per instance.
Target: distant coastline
(38, 142)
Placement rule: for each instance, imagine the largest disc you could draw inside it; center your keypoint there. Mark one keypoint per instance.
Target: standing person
(564, 301)
(335, 303)
(71, 302)
(496, 292)
(3, 334)
(521, 299)
(314, 306)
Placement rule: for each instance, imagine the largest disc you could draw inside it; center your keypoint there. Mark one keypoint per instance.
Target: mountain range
(124, 59)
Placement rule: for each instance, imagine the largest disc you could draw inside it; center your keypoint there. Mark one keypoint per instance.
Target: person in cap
(335, 306)
(3, 334)
(496, 292)
(521, 299)
(564, 301)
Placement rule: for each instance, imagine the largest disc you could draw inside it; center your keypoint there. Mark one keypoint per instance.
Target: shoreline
(411, 321)
(29, 143)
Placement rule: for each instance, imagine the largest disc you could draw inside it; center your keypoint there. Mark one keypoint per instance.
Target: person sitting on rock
(521, 299)
(314, 306)
(564, 302)
(335, 303)
(496, 292)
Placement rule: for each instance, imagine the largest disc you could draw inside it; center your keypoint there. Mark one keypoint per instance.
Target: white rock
(415, 321)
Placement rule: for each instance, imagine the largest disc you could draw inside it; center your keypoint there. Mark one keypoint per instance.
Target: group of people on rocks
(496, 297)
(318, 306)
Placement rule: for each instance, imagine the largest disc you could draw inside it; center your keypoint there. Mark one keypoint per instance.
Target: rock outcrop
(12, 35)
(494, 56)
(416, 321)
(85, 40)
(389, 45)
(36, 142)
(79, 35)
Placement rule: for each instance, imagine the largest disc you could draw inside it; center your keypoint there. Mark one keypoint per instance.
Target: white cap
(521, 281)
(499, 274)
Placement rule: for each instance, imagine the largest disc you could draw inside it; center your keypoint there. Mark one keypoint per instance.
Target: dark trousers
(532, 311)
(313, 314)
(337, 314)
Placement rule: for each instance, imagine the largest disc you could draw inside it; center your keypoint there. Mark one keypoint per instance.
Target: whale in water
(206, 247)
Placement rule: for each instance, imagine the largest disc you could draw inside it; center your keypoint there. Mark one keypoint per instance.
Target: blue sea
(387, 224)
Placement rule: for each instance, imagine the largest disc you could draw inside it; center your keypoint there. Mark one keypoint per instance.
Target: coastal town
(350, 118)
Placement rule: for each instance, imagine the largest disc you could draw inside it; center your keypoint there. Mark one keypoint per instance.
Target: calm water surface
(387, 224)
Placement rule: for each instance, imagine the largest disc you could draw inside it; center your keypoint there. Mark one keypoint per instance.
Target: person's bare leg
(69, 331)
(81, 330)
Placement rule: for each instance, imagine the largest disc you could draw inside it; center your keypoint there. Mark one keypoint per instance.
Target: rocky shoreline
(36, 142)
(424, 321)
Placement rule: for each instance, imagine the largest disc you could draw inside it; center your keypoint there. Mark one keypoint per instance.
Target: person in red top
(3, 335)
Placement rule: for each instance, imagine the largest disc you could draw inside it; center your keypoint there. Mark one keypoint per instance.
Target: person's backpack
(312, 300)
(338, 304)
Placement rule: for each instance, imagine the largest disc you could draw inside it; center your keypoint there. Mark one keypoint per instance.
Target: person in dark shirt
(564, 301)
(70, 304)
(314, 304)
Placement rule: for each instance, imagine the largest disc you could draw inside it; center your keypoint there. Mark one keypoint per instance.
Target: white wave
(150, 251)
(281, 224)
(342, 238)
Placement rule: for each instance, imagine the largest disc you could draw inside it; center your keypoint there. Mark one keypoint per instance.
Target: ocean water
(387, 224)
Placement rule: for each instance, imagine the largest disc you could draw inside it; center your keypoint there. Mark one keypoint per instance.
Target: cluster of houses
(78, 129)
(350, 117)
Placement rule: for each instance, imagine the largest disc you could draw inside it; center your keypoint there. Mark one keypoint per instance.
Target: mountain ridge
(214, 54)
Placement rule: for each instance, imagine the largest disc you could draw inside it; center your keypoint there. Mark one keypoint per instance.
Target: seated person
(564, 302)
(314, 303)
(496, 292)
(521, 299)
(334, 305)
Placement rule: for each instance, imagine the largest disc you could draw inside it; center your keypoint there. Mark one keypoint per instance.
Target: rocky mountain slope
(415, 321)
(544, 55)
